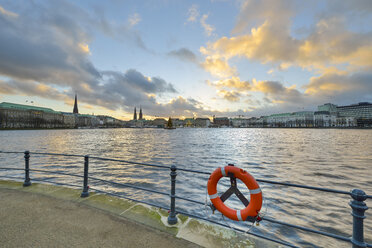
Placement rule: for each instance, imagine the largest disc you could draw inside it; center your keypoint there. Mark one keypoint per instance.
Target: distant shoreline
(29, 129)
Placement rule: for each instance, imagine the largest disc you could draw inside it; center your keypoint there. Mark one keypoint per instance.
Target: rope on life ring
(252, 208)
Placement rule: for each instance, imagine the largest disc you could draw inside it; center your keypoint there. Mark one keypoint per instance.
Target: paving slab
(29, 219)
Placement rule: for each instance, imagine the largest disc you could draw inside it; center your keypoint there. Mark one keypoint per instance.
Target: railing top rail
(193, 171)
(130, 162)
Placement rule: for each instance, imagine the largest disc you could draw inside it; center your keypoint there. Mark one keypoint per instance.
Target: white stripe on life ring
(223, 171)
(238, 214)
(213, 196)
(255, 191)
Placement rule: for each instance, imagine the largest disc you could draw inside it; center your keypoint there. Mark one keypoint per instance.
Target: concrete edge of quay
(196, 231)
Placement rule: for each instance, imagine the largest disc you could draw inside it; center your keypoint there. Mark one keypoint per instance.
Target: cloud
(232, 96)
(255, 12)
(134, 19)
(270, 39)
(231, 83)
(233, 89)
(12, 87)
(193, 13)
(183, 54)
(208, 29)
(55, 63)
(341, 88)
(7, 13)
(218, 67)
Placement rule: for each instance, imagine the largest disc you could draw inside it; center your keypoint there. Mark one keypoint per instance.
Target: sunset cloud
(208, 29)
(329, 43)
(218, 67)
(231, 83)
(232, 96)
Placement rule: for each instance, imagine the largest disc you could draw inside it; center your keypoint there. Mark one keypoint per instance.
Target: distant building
(159, 122)
(324, 119)
(239, 122)
(135, 114)
(140, 114)
(328, 107)
(202, 122)
(76, 110)
(362, 112)
(189, 122)
(221, 121)
(25, 116)
(295, 119)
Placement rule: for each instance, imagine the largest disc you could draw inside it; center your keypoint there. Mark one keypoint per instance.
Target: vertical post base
(358, 208)
(84, 194)
(172, 220)
(27, 183)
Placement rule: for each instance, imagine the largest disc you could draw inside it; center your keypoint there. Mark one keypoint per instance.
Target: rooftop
(8, 105)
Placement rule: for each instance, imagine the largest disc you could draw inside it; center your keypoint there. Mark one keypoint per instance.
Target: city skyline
(182, 58)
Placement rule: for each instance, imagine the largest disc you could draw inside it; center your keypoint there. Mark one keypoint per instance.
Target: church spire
(75, 111)
(135, 114)
(140, 114)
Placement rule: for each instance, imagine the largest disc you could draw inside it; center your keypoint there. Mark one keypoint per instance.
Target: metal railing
(357, 202)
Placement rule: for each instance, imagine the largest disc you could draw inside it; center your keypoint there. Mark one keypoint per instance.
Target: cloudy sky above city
(186, 58)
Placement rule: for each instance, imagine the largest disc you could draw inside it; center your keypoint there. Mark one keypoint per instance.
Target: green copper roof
(8, 105)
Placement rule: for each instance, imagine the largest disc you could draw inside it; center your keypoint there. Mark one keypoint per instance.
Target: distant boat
(169, 124)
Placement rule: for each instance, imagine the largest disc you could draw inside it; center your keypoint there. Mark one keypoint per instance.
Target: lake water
(332, 158)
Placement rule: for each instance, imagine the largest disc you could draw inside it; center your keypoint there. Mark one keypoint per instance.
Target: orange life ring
(253, 207)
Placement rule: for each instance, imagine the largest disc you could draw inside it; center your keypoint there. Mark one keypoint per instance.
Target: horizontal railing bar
(11, 177)
(56, 172)
(57, 154)
(335, 236)
(128, 198)
(304, 186)
(10, 168)
(129, 186)
(10, 152)
(129, 162)
(199, 172)
(63, 184)
(190, 200)
(283, 183)
(193, 171)
(238, 229)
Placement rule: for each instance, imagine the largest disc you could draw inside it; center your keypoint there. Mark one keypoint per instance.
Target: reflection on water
(339, 159)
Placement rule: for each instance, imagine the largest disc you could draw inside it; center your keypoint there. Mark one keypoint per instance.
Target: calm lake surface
(332, 158)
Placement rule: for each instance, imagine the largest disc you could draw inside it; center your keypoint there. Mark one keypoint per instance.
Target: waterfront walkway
(29, 219)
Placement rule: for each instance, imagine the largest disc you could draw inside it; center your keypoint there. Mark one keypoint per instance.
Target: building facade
(24, 116)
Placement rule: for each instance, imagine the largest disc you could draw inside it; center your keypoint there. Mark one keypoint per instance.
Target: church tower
(75, 111)
(140, 114)
(135, 114)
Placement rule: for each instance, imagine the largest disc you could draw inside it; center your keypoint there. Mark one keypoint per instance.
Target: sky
(186, 58)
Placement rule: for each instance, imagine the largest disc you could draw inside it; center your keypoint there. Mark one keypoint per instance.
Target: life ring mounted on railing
(252, 208)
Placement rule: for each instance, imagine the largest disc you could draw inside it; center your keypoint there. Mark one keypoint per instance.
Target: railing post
(85, 192)
(172, 219)
(27, 181)
(358, 208)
